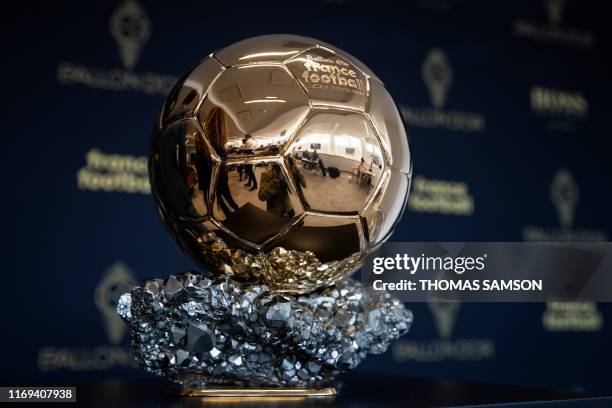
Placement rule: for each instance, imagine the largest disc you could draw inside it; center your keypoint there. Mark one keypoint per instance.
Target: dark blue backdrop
(523, 116)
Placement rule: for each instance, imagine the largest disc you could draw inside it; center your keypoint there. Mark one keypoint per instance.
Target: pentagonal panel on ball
(181, 167)
(265, 48)
(335, 161)
(330, 79)
(252, 110)
(255, 199)
(188, 92)
(390, 126)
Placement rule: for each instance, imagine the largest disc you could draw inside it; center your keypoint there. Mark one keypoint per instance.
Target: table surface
(358, 390)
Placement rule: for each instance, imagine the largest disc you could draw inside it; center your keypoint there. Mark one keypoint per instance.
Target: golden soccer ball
(280, 159)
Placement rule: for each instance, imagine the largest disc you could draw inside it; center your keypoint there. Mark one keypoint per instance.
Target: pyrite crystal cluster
(278, 163)
(200, 332)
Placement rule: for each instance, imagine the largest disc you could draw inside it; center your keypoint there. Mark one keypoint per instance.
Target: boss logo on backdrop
(114, 173)
(561, 109)
(440, 197)
(558, 104)
(115, 281)
(553, 31)
(437, 74)
(444, 347)
(130, 27)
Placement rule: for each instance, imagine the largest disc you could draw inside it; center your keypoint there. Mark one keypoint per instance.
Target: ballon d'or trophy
(278, 163)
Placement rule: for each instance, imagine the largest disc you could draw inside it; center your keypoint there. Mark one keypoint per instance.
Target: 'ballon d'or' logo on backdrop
(445, 347)
(553, 31)
(115, 281)
(437, 74)
(130, 27)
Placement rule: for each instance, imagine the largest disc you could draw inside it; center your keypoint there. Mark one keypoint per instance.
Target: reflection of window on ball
(255, 120)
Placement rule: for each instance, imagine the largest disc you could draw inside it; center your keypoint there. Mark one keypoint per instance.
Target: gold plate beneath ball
(258, 392)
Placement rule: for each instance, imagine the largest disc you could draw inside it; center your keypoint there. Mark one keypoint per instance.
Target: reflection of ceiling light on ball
(265, 101)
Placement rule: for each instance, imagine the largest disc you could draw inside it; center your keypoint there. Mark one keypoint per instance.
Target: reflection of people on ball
(275, 192)
(362, 171)
(362, 165)
(248, 147)
(297, 174)
(217, 135)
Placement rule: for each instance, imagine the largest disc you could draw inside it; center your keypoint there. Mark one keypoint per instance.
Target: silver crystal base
(200, 332)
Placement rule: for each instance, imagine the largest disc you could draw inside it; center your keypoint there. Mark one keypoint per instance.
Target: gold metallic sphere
(280, 159)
